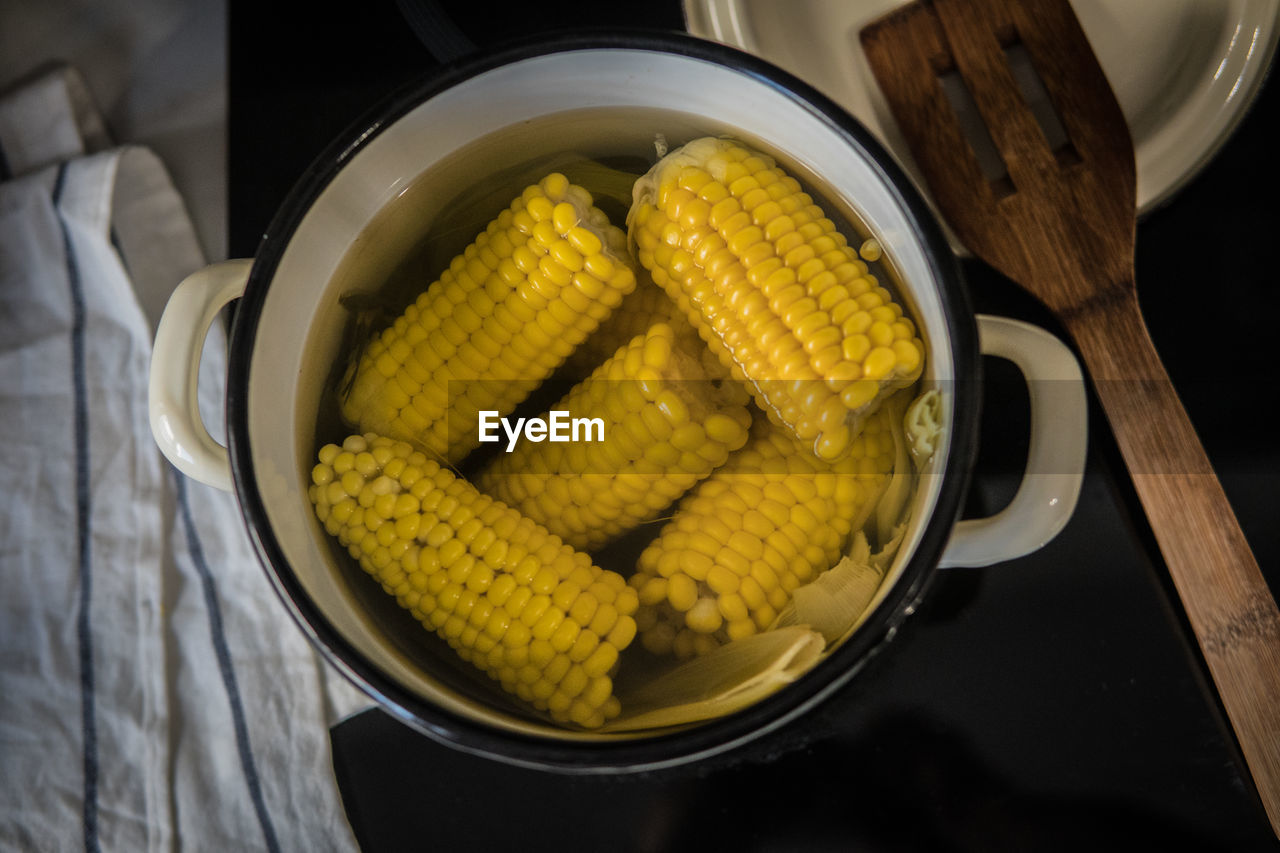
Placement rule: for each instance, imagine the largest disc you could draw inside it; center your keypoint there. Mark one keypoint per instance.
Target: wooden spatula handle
(1226, 598)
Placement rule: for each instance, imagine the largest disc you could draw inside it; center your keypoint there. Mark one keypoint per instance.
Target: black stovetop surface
(1054, 702)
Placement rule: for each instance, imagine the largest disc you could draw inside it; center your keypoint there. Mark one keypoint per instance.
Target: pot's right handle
(173, 405)
(1055, 459)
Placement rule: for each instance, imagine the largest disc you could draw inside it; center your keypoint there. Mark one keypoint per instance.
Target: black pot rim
(603, 756)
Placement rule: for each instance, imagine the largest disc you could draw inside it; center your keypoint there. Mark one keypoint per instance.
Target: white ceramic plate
(1184, 71)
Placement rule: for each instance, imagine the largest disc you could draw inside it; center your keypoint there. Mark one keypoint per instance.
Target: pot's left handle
(173, 404)
(1047, 495)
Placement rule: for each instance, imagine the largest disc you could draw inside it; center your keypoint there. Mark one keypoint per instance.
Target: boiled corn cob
(664, 430)
(644, 306)
(508, 310)
(771, 519)
(509, 597)
(774, 289)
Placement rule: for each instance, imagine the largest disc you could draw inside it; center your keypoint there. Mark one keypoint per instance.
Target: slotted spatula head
(1060, 219)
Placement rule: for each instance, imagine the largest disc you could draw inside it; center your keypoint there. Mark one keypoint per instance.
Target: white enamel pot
(360, 209)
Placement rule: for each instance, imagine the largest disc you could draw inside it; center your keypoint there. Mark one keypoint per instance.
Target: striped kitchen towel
(154, 693)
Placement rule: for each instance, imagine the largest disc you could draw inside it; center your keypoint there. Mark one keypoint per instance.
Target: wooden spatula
(1057, 216)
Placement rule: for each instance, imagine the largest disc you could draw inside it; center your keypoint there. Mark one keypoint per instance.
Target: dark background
(1054, 702)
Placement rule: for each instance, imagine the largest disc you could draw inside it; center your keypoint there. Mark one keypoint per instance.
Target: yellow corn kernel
(782, 299)
(489, 581)
(500, 319)
(773, 516)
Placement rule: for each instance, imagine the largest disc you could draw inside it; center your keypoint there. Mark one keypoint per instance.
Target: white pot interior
(371, 217)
